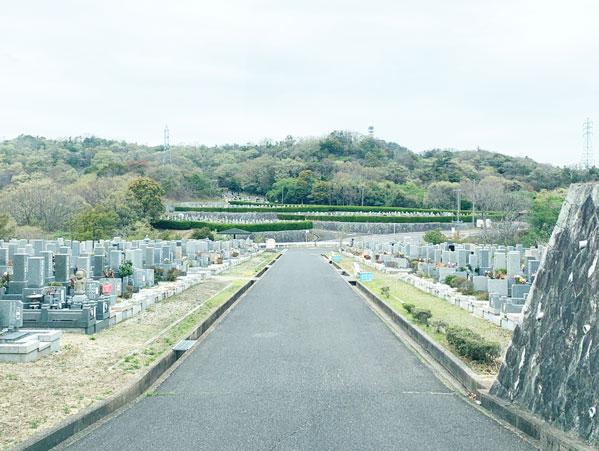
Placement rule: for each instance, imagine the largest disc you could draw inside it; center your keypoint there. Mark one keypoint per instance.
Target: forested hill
(341, 168)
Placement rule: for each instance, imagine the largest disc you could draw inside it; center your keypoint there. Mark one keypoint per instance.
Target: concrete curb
(87, 417)
(550, 437)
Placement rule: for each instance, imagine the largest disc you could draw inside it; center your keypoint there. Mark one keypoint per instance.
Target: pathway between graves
(302, 363)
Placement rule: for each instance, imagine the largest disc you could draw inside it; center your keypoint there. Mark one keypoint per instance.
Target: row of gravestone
(43, 272)
(506, 273)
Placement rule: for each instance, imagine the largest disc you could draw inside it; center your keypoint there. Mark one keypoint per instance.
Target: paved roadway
(302, 363)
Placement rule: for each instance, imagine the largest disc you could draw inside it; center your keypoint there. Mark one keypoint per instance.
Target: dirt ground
(88, 368)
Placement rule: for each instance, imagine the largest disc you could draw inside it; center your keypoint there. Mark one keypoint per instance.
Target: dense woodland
(47, 184)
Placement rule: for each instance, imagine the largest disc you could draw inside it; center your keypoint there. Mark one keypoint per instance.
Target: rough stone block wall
(552, 365)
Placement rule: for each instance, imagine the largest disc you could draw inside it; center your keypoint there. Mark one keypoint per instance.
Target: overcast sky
(517, 77)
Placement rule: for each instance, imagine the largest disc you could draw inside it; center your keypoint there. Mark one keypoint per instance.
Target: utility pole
(459, 193)
(588, 160)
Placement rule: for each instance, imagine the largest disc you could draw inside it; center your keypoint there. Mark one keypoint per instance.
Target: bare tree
(42, 203)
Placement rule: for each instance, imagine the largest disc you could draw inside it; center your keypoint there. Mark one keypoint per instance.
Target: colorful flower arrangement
(519, 279)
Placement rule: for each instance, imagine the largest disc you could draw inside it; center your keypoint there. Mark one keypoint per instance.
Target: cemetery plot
(37, 395)
(444, 315)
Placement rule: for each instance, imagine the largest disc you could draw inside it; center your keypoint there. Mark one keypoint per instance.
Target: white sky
(517, 77)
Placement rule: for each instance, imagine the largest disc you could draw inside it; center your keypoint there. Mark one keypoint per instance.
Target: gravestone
(481, 283)
(115, 259)
(498, 286)
(93, 290)
(36, 272)
(533, 267)
(62, 269)
(20, 273)
(520, 290)
(98, 261)
(485, 261)
(513, 263)
(499, 261)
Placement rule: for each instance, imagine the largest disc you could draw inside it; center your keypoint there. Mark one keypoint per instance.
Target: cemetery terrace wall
(380, 228)
(552, 365)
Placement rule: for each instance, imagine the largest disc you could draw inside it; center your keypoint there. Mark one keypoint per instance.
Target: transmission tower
(588, 159)
(167, 159)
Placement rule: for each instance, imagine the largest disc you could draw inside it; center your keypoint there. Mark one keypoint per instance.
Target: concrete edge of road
(550, 437)
(87, 417)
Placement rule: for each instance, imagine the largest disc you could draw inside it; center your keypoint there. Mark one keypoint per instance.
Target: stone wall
(381, 228)
(552, 365)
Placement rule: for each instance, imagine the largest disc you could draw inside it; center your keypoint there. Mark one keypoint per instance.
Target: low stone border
(92, 414)
(550, 437)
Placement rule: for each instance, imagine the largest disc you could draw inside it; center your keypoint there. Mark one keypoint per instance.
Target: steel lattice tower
(167, 159)
(588, 159)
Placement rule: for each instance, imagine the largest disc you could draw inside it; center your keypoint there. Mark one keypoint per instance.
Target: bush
(126, 269)
(414, 265)
(422, 315)
(449, 279)
(172, 274)
(440, 326)
(434, 237)
(158, 273)
(471, 345)
(385, 292)
(202, 234)
(408, 307)
(463, 285)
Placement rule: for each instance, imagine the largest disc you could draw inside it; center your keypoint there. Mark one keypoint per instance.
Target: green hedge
(471, 345)
(219, 227)
(309, 208)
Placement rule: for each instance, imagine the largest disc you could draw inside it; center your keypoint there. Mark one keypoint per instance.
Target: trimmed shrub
(422, 315)
(471, 345)
(126, 269)
(434, 237)
(385, 292)
(219, 227)
(203, 233)
(408, 307)
(449, 279)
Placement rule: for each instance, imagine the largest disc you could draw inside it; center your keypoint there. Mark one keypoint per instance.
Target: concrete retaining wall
(383, 228)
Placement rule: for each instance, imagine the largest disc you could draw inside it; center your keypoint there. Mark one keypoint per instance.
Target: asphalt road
(302, 363)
